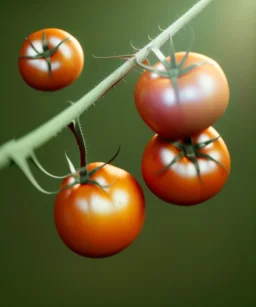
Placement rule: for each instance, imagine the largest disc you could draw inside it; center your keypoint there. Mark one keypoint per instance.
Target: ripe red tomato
(95, 222)
(180, 184)
(203, 97)
(50, 59)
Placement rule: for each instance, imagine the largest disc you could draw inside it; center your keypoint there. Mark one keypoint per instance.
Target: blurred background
(185, 257)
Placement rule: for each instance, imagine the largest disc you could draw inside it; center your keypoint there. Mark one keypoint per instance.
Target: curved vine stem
(27, 144)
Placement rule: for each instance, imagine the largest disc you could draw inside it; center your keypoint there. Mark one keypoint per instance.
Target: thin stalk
(76, 129)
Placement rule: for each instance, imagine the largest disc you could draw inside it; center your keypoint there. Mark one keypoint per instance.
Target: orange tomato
(99, 222)
(180, 183)
(50, 59)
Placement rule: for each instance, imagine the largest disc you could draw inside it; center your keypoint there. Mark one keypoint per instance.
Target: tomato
(201, 99)
(99, 222)
(50, 59)
(181, 183)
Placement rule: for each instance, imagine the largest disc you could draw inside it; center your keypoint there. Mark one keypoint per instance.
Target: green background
(199, 256)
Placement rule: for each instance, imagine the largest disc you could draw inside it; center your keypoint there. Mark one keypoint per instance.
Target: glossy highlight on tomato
(203, 95)
(99, 222)
(180, 184)
(50, 59)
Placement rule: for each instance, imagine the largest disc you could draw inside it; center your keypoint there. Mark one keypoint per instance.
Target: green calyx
(173, 70)
(82, 176)
(47, 52)
(192, 152)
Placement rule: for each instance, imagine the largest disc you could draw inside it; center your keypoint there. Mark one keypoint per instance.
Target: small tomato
(191, 96)
(186, 174)
(96, 221)
(50, 59)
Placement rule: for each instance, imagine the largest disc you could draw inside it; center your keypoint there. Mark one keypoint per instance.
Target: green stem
(28, 143)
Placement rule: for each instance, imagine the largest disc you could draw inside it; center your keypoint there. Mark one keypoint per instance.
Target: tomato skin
(67, 62)
(204, 96)
(180, 184)
(90, 223)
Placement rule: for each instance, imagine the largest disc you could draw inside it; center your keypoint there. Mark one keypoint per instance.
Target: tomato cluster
(100, 209)
(180, 98)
